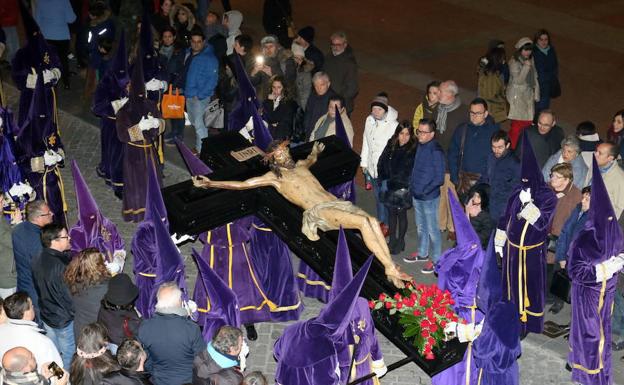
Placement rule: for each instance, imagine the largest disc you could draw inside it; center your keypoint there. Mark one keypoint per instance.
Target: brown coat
(572, 197)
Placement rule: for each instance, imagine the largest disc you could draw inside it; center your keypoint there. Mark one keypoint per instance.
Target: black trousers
(62, 48)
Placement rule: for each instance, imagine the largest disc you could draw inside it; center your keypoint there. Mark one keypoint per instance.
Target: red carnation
(371, 304)
(397, 296)
(382, 296)
(424, 333)
(429, 356)
(443, 323)
(399, 305)
(417, 313)
(430, 341)
(388, 305)
(433, 328)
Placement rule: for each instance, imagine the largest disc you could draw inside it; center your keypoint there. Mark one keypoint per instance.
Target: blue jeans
(195, 108)
(379, 187)
(63, 339)
(426, 215)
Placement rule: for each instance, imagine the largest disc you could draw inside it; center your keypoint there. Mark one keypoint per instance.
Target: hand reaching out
(201, 181)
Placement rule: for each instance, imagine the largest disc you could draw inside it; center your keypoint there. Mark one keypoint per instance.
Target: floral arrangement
(424, 311)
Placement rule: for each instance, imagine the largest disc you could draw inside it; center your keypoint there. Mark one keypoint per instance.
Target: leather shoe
(252, 334)
(556, 307)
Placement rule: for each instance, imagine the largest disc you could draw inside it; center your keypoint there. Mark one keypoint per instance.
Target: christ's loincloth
(313, 219)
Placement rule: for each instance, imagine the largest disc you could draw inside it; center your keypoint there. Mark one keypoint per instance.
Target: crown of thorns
(269, 156)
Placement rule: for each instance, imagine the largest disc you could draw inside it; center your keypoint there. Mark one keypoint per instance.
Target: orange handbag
(173, 104)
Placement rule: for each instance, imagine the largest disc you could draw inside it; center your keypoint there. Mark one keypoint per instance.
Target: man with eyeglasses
(470, 147)
(26, 239)
(426, 179)
(545, 137)
(341, 67)
(55, 301)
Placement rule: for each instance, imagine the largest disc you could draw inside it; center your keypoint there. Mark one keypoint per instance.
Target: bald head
(169, 295)
(19, 359)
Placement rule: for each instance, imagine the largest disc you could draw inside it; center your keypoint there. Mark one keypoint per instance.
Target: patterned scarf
(444, 109)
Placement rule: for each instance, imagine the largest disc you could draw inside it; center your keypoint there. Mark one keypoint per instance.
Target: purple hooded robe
(359, 337)
(140, 149)
(111, 87)
(524, 254)
(37, 135)
(307, 351)
(144, 245)
(92, 229)
(458, 271)
(592, 302)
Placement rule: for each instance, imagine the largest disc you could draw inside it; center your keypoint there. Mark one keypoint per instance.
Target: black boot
(392, 243)
(252, 334)
(398, 248)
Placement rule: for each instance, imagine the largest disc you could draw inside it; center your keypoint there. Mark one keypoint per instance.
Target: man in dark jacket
(305, 38)
(221, 363)
(545, 137)
(131, 357)
(318, 101)
(427, 177)
(503, 173)
(170, 338)
(470, 145)
(341, 67)
(55, 301)
(26, 239)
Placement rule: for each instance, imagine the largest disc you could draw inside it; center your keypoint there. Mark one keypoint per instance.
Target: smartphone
(259, 59)
(56, 370)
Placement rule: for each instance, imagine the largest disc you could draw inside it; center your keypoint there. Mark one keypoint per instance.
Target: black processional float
(231, 157)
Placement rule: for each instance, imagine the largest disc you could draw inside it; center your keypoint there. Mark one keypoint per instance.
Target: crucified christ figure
(322, 210)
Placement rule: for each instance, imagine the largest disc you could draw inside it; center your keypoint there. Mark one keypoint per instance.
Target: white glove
(50, 158)
(525, 196)
(192, 306)
(20, 189)
(31, 81)
(113, 267)
(530, 212)
(450, 330)
(500, 238)
(379, 368)
(1, 121)
(155, 122)
(468, 332)
(145, 124)
(119, 254)
(177, 239)
(608, 268)
(154, 85)
(242, 356)
(49, 76)
(117, 104)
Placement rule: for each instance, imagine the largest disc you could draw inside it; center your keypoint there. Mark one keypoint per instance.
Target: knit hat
(381, 100)
(121, 290)
(522, 42)
(269, 39)
(307, 34)
(297, 50)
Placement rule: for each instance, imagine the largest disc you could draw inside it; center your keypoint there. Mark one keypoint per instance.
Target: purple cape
(226, 253)
(92, 229)
(592, 302)
(271, 259)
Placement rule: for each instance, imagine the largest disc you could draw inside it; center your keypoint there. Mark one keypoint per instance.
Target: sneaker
(412, 258)
(419, 258)
(428, 268)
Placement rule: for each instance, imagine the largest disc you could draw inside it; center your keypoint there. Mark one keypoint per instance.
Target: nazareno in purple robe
(38, 135)
(359, 337)
(524, 254)
(217, 304)
(92, 229)
(307, 351)
(10, 173)
(226, 252)
(35, 54)
(144, 247)
(592, 302)
(458, 271)
(497, 348)
(112, 86)
(140, 147)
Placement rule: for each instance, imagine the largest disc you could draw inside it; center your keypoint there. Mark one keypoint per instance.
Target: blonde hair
(86, 269)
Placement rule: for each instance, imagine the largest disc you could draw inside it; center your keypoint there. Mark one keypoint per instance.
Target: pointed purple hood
(194, 165)
(459, 267)
(154, 204)
(601, 237)
(341, 132)
(261, 134)
(119, 64)
(169, 262)
(319, 334)
(216, 302)
(531, 173)
(343, 271)
(10, 172)
(88, 211)
(247, 99)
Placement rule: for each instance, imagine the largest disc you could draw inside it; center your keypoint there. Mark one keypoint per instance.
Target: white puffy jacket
(376, 136)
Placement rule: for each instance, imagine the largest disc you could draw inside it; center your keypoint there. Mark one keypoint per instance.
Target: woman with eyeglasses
(568, 197)
(523, 89)
(87, 279)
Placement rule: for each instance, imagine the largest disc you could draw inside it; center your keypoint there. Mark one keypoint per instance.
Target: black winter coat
(395, 166)
(55, 301)
(126, 377)
(280, 120)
